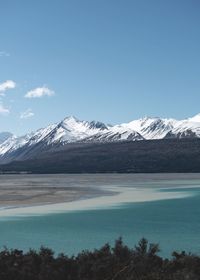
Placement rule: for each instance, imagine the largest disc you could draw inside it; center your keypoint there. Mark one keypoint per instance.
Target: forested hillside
(167, 155)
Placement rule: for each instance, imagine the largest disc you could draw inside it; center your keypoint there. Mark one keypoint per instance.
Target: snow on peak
(196, 118)
(72, 130)
(70, 119)
(151, 128)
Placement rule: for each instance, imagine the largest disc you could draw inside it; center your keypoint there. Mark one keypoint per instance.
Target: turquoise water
(174, 224)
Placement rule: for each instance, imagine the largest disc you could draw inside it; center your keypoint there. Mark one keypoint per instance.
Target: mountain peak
(73, 130)
(196, 118)
(70, 118)
(97, 125)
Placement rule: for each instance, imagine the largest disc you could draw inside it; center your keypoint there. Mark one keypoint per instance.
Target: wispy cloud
(9, 84)
(3, 53)
(39, 92)
(4, 111)
(27, 114)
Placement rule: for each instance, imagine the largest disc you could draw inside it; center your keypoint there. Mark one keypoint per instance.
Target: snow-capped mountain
(115, 133)
(4, 136)
(14, 143)
(187, 128)
(151, 128)
(69, 130)
(72, 130)
(158, 128)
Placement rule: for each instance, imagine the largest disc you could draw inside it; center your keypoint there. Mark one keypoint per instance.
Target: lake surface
(173, 220)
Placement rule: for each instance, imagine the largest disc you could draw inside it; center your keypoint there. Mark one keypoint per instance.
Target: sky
(107, 60)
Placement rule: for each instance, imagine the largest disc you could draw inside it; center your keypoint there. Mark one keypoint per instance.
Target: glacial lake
(172, 221)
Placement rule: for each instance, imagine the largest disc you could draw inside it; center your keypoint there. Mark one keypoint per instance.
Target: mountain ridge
(73, 130)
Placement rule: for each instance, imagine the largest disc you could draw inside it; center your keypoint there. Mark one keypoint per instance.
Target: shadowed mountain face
(71, 130)
(155, 156)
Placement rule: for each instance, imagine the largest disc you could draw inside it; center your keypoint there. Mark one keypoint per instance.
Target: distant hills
(144, 145)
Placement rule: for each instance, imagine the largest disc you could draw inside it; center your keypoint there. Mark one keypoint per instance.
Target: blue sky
(108, 60)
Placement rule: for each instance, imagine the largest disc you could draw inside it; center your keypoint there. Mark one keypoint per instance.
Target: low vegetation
(108, 263)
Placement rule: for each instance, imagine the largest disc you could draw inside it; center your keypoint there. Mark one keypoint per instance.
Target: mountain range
(71, 130)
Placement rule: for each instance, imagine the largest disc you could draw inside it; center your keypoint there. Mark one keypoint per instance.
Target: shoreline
(127, 195)
(30, 195)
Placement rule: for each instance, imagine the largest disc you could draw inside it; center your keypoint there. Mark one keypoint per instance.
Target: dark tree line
(147, 156)
(107, 263)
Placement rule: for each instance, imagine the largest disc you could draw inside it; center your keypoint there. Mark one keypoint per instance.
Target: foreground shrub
(107, 263)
